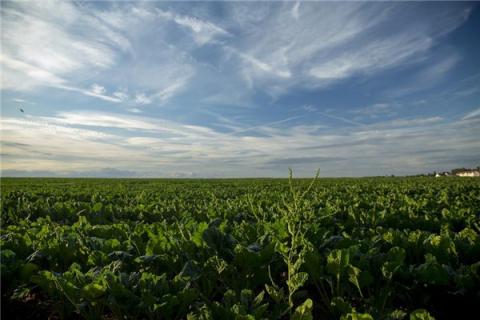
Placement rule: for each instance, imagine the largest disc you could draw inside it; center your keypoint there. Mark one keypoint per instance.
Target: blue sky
(239, 89)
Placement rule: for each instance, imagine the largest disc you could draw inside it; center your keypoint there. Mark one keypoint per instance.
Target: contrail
(294, 118)
(266, 124)
(341, 119)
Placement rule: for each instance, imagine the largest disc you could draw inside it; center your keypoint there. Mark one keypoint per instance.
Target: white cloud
(18, 75)
(61, 43)
(309, 108)
(125, 122)
(343, 119)
(36, 144)
(407, 122)
(336, 41)
(163, 94)
(58, 143)
(473, 114)
(96, 119)
(86, 44)
(274, 48)
(267, 45)
(375, 109)
(375, 56)
(260, 65)
(203, 31)
(50, 44)
(295, 10)
(122, 95)
(98, 89)
(427, 77)
(173, 88)
(97, 92)
(141, 98)
(134, 110)
(286, 44)
(439, 69)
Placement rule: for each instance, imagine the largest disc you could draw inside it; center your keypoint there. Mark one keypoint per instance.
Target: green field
(371, 248)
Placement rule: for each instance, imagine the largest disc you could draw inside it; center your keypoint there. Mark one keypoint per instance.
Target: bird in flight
(21, 110)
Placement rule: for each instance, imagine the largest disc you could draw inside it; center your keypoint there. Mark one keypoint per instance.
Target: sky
(238, 89)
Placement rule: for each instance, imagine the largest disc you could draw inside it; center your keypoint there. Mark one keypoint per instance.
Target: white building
(469, 173)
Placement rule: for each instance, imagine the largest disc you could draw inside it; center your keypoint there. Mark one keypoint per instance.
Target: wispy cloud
(260, 66)
(203, 31)
(343, 119)
(174, 87)
(212, 88)
(98, 89)
(97, 119)
(18, 75)
(295, 10)
(64, 43)
(141, 98)
(59, 142)
(377, 55)
(473, 114)
(94, 91)
(318, 160)
(426, 77)
(50, 50)
(122, 95)
(413, 122)
(134, 110)
(309, 108)
(336, 41)
(376, 111)
(268, 125)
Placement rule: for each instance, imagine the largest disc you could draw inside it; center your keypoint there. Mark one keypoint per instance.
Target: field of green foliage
(371, 248)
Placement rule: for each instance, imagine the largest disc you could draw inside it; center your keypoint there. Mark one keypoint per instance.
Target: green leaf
(357, 316)
(421, 314)
(353, 273)
(340, 306)
(260, 310)
(395, 258)
(304, 311)
(197, 235)
(276, 294)
(27, 270)
(97, 207)
(397, 315)
(337, 261)
(258, 299)
(432, 272)
(191, 270)
(297, 280)
(246, 296)
(93, 291)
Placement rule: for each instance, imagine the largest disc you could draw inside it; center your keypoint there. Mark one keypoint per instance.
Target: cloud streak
(203, 31)
(473, 114)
